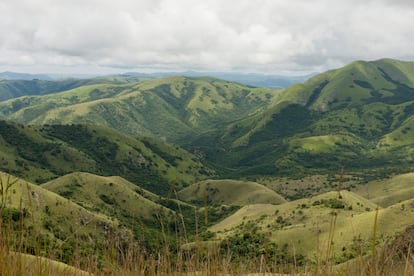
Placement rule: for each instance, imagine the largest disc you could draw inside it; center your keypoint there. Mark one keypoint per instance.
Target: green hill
(54, 220)
(117, 198)
(42, 153)
(170, 108)
(113, 196)
(386, 192)
(307, 227)
(358, 117)
(229, 192)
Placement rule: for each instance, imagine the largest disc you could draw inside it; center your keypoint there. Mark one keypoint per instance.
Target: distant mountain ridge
(252, 79)
(22, 76)
(15, 88)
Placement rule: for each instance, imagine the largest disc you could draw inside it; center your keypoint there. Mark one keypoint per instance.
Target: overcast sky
(268, 36)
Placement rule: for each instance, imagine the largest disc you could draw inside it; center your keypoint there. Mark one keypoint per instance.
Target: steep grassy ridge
(359, 116)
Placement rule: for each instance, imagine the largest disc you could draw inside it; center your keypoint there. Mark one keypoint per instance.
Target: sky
(289, 37)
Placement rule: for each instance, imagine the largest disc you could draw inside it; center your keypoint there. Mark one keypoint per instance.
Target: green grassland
(113, 196)
(301, 175)
(132, 206)
(386, 192)
(309, 186)
(53, 224)
(229, 192)
(306, 227)
(42, 153)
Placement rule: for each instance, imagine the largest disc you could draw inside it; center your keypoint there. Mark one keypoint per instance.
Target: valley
(103, 173)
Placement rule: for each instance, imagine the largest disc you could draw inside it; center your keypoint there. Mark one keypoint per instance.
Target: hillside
(117, 198)
(306, 227)
(42, 153)
(389, 191)
(171, 109)
(358, 117)
(307, 172)
(54, 220)
(113, 196)
(229, 192)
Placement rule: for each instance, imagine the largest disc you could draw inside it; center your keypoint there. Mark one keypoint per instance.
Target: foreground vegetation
(37, 234)
(393, 258)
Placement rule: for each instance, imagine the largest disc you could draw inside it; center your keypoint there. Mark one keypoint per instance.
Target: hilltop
(229, 192)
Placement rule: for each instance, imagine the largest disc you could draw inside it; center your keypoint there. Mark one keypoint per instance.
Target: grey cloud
(259, 35)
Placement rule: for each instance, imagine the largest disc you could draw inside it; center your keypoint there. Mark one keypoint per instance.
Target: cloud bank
(270, 36)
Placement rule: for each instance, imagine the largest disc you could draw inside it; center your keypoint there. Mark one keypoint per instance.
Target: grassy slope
(309, 186)
(390, 191)
(56, 220)
(229, 192)
(16, 263)
(113, 196)
(358, 116)
(168, 108)
(304, 226)
(43, 153)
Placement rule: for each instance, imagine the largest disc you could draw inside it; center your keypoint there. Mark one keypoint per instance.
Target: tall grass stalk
(330, 243)
(374, 244)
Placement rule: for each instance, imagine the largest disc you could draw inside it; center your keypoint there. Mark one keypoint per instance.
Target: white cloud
(271, 36)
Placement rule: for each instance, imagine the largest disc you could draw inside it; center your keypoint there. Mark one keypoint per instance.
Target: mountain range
(213, 161)
(250, 79)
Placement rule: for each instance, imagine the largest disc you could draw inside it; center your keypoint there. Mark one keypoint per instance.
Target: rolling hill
(113, 196)
(229, 192)
(306, 227)
(389, 191)
(117, 198)
(171, 109)
(102, 174)
(54, 220)
(41, 153)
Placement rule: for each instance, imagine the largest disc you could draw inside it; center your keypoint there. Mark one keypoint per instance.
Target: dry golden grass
(392, 258)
